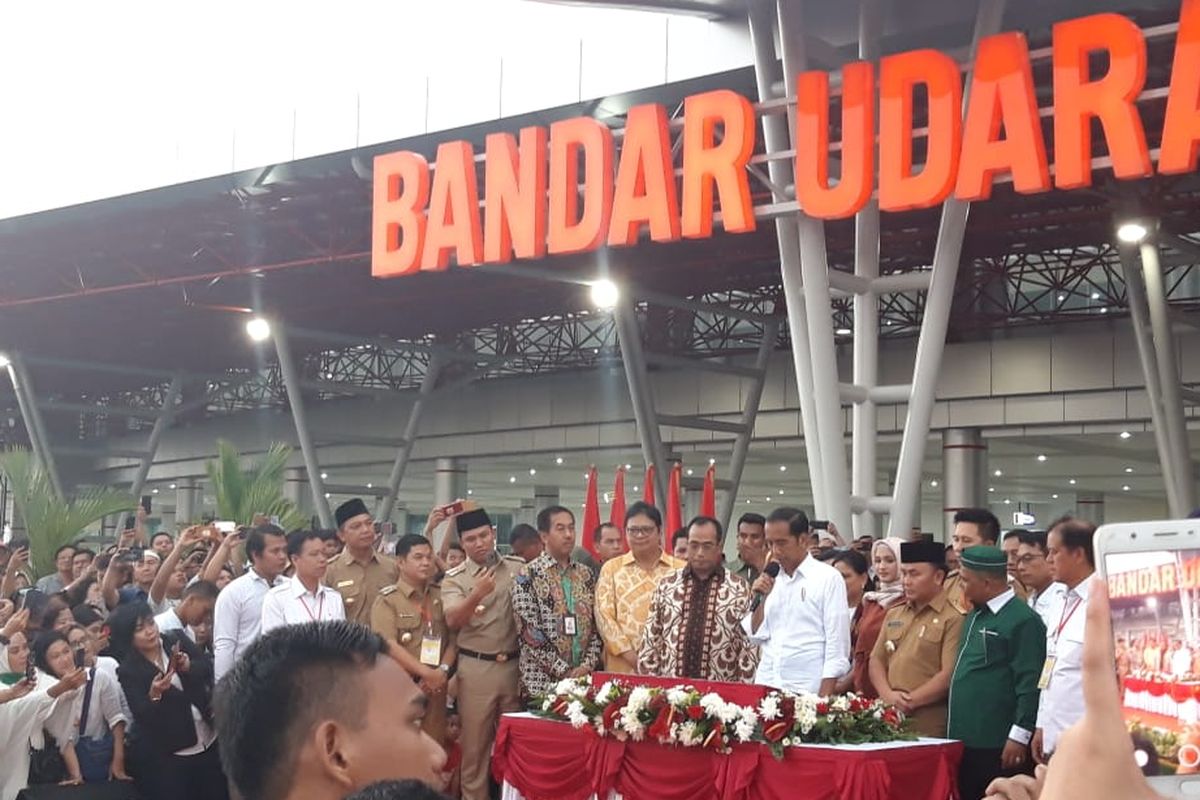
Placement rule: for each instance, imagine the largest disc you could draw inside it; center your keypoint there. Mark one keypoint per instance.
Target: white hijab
(889, 592)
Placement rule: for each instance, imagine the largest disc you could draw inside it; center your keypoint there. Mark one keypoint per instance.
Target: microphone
(772, 570)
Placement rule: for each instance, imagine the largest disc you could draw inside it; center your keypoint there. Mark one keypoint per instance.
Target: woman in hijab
(868, 620)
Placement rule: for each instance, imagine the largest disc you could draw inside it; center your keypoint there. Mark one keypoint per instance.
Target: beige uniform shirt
(404, 615)
(492, 628)
(954, 592)
(916, 644)
(359, 583)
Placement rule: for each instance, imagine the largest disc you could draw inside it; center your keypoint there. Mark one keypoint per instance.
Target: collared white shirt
(1061, 703)
(1044, 601)
(238, 618)
(292, 604)
(805, 632)
(170, 621)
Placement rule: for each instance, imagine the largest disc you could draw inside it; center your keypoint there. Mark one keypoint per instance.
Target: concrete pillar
(185, 503)
(964, 473)
(526, 513)
(1090, 506)
(543, 497)
(295, 488)
(449, 480)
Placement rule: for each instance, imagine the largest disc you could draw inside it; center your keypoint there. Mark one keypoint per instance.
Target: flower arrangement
(684, 717)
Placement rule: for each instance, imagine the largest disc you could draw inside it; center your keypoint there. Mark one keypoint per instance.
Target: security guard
(914, 655)
(477, 595)
(359, 572)
(410, 613)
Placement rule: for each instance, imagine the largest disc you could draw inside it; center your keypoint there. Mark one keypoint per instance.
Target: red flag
(591, 513)
(708, 501)
(616, 516)
(674, 514)
(648, 487)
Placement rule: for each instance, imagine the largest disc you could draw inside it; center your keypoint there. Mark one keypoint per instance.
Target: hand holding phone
(80, 656)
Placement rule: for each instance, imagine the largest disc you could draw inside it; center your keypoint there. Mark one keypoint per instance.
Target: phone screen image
(1155, 600)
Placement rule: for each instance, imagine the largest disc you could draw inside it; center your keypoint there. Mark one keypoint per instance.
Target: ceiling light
(781, 491)
(258, 329)
(712, 461)
(4, 360)
(934, 484)
(558, 460)
(991, 488)
(1053, 497)
(998, 473)
(628, 467)
(154, 491)
(689, 472)
(1062, 298)
(1095, 295)
(843, 331)
(1104, 310)
(327, 495)
(370, 486)
(324, 475)
(172, 486)
(1125, 488)
(1131, 232)
(605, 294)
(1128, 470)
(512, 478)
(1007, 501)
(470, 491)
(1125, 435)
(783, 467)
(1072, 481)
(1041, 457)
(532, 471)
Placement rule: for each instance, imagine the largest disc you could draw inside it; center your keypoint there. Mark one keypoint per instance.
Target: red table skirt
(547, 760)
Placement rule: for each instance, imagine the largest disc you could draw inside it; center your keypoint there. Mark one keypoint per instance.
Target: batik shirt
(544, 596)
(694, 629)
(623, 601)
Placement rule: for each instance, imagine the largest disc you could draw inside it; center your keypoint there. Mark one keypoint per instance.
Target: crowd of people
(313, 664)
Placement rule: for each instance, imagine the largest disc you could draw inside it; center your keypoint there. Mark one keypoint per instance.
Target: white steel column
(865, 415)
(404, 452)
(156, 433)
(932, 341)
(1168, 373)
(776, 138)
(291, 382)
(34, 425)
(1139, 315)
(633, 357)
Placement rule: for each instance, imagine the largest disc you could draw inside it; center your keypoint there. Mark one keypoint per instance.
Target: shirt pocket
(352, 594)
(929, 640)
(995, 648)
(407, 624)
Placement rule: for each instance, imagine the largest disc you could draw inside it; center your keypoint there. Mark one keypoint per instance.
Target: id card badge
(1047, 671)
(431, 650)
(569, 625)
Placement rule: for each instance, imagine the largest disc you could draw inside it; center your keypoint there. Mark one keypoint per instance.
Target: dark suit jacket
(166, 726)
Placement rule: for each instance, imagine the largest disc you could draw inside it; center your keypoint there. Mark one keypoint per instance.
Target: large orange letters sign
(567, 189)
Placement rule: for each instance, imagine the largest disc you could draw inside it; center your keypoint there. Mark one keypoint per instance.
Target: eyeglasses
(638, 530)
(1029, 558)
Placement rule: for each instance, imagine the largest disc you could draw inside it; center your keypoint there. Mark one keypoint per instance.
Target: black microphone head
(772, 569)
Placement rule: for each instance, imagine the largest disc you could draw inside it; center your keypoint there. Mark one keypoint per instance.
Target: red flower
(612, 712)
(822, 708)
(661, 727)
(715, 738)
(892, 717)
(695, 713)
(777, 730)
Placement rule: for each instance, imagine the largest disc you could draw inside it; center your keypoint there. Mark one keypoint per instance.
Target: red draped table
(539, 759)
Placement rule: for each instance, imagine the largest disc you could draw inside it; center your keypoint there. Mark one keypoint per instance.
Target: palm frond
(243, 492)
(51, 522)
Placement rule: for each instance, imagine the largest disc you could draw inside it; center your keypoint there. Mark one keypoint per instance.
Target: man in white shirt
(1033, 571)
(195, 606)
(802, 625)
(238, 616)
(302, 598)
(1072, 563)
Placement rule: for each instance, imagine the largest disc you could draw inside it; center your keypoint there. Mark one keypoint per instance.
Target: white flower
(787, 742)
(743, 729)
(576, 715)
(630, 724)
(546, 704)
(572, 687)
(639, 698)
(688, 734)
(840, 704)
(677, 696)
(608, 692)
(768, 709)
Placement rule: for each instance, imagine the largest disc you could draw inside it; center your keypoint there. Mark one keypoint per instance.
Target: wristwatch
(444, 668)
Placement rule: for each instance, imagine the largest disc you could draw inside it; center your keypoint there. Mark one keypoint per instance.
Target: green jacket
(994, 688)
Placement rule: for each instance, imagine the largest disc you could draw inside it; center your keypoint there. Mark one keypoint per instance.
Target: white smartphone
(1153, 574)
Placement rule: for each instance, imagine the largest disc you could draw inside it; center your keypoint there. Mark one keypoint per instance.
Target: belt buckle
(501, 658)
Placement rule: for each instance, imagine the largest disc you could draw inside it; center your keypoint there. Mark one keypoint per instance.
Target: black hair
(51, 611)
(121, 626)
(408, 541)
(86, 615)
(750, 518)
(1015, 533)
(522, 533)
(87, 551)
(78, 594)
(641, 508)
(826, 555)
(328, 535)
(256, 540)
(546, 514)
(103, 560)
(989, 526)
(205, 590)
(457, 545)
(706, 520)
(397, 790)
(59, 551)
(857, 562)
(287, 681)
(796, 519)
(1075, 534)
(680, 533)
(598, 531)
(1032, 538)
(41, 645)
(296, 540)
(161, 533)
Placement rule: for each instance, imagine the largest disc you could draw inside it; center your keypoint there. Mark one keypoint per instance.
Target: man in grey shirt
(64, 558)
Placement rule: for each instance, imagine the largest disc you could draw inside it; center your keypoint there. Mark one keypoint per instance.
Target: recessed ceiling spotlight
(1125, 434)
(1041, 457)
(998, 473)
(1072, 481)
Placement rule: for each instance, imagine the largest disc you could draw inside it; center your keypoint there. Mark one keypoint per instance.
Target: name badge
(1047, 672)
(431, 650)
(569, 624)
(344, 584)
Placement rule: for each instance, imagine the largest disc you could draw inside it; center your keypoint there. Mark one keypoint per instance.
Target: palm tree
(52, 522)
(243, 493)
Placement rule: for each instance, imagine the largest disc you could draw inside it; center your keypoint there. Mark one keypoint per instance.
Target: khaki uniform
(359, 584)
(405, 616)
(916, 644)
(488, 686)
(954, 592)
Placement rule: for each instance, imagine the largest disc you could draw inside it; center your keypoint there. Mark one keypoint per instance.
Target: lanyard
(1066, 617)
(569, 596)
(320, 607)
(426, 614)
